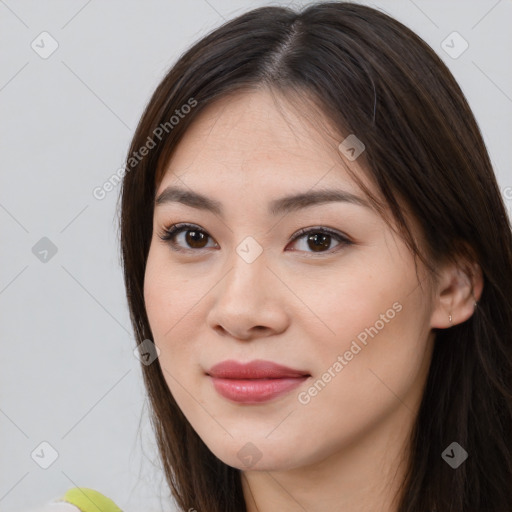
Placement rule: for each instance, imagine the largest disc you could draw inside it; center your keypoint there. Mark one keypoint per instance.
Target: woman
(318, 268)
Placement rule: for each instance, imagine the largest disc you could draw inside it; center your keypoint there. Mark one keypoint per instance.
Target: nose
(248, 303)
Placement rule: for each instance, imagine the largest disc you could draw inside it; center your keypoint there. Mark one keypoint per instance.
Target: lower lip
(257, 390)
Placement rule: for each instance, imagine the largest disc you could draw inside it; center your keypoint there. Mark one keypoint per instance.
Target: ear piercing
(450, 315)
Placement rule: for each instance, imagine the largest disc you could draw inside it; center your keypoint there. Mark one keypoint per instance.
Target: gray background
(68, 375)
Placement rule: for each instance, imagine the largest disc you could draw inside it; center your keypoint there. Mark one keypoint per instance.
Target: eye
(320, 238)
(194, 236)
(317, 239)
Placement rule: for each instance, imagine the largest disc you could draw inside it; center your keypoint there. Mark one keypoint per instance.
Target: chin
(258, 455)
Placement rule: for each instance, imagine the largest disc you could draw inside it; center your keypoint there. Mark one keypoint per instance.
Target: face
(326, 289)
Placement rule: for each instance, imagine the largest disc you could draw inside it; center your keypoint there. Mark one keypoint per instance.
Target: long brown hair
(371, 76)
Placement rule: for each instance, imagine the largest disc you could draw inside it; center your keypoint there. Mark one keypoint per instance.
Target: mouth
(254, 382)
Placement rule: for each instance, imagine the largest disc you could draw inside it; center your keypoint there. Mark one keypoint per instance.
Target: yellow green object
(89, 500)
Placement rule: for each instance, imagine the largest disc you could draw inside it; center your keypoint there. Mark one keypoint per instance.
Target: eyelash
(170, 232)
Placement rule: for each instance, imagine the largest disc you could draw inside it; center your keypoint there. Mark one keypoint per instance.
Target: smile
(254, 382)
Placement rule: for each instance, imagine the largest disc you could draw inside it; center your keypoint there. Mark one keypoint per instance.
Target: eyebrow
(277, 206)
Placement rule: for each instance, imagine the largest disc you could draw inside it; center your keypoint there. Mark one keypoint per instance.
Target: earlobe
(456, 296)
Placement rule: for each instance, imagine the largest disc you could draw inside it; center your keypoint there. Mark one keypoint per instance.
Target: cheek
(157, 294)
(171, 317)
(349, 306)
(374, 379)
(175, 303)
(164, 309)
(168, 298)
(374, 334)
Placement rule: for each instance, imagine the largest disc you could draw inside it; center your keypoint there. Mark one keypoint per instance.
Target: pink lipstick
(254, 382)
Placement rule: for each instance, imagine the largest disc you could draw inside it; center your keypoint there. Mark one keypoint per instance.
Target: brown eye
(194, 239)
(319, 240)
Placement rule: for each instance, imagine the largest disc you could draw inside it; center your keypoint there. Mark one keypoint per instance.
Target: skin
(294, 306)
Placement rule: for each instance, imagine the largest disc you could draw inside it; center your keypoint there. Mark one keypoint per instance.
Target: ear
(457, 291)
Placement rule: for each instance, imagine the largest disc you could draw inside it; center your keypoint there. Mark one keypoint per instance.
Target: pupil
(193, 237)
(319, 241)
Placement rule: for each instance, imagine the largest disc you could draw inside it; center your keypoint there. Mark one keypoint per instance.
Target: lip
(254, 382)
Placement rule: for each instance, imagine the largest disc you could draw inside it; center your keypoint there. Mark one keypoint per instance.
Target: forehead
(258, 139)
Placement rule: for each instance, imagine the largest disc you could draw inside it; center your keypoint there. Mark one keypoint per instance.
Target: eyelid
(172, 230)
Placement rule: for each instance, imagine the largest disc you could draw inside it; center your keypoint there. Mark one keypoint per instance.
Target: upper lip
(258, 369)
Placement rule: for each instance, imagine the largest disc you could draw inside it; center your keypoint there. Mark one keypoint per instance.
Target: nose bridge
(248, 268)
